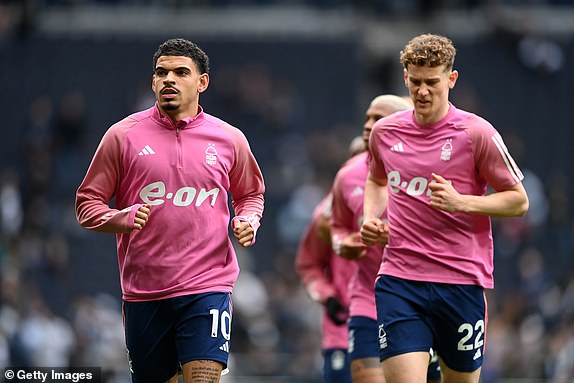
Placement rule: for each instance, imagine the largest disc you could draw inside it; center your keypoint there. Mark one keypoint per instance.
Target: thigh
(203, 327)
(459, 320)
(409, 367)
(451, 376)
(150, 341)
(336, 366)
(202, 371)
(402, 316)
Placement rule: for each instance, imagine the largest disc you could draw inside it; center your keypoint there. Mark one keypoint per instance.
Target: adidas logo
(398, 147)
(146, 151)
(224, 346)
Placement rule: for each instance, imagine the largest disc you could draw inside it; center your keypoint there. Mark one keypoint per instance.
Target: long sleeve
(99, 185)
(343, 221)
(313, 261)
(246, 184)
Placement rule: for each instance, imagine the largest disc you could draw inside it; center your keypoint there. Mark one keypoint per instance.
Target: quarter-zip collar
(185, 123)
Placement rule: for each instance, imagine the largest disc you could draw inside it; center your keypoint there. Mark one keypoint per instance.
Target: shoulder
(234, 133)
(123, 125)
(474, 124)
(392, 121)
(357, 162)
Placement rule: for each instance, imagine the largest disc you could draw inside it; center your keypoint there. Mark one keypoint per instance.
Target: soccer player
(435, 162)
(170, 170)
(347, 208)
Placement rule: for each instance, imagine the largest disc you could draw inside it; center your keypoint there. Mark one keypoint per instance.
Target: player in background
(435, 162)
(170, 170)
(326, 279)
(347, 190)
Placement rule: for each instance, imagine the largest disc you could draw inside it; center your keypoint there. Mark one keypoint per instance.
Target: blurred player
(326, 278)
(170, 169)
(432, 167)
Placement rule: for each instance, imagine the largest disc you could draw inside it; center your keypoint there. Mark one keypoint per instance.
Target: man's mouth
(168, 91)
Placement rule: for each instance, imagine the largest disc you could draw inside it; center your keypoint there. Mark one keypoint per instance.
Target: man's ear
(406, 77)
(203, 82)
(452, 78)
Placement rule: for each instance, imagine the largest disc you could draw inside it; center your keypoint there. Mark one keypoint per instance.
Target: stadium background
(295, 76)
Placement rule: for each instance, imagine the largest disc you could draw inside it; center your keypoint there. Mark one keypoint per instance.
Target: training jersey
(427, 244)
(324, 274)
(185, 170)
(348, 194)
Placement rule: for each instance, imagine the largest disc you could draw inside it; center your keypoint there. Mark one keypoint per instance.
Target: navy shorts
(415, 316)
(363, 338)
(336, 366)
(163, 334)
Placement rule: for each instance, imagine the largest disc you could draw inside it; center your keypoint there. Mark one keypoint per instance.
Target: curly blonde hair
(429, 50)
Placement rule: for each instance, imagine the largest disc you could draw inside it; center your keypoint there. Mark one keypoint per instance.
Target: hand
(243, 232)
(443, 195)
(351, 247)
(142, 216)
(374, 231)
(336, 311)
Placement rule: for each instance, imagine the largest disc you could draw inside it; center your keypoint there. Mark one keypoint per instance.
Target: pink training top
(428, 244)
(348, 193)
(183, 169)
(324, 275)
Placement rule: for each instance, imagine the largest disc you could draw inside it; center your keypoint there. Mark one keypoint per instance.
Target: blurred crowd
(59, 295)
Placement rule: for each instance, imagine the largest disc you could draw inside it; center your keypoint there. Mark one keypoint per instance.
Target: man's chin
(169, 106)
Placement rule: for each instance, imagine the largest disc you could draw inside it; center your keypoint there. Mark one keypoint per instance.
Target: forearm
(97, 216)
(375, 199)
(508, 203)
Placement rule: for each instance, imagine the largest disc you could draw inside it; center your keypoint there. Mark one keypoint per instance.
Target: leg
(203, 335)
(411, 367)
(364, 350)
(451, 376)
(201, 371)
(367, 370)
(336, 366)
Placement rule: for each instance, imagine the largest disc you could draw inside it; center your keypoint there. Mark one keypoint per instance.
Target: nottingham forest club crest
(211, 155)
(446, 150)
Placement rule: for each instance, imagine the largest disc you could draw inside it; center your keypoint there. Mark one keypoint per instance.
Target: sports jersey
(185, 170)
(324, 275)
(348, 193)
(427, 244)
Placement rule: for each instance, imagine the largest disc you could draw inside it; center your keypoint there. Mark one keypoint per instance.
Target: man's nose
(169, 78)
(423, 90)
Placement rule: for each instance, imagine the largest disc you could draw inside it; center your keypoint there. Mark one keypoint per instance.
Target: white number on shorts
(225, 324)
(468, 331)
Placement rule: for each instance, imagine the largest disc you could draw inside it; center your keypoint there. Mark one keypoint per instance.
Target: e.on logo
(155, 193)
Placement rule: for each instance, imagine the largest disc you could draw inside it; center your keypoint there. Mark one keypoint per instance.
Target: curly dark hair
(429, 50)
(182, 47)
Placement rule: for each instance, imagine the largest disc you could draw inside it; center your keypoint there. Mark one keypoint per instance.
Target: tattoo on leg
(367, 370)
(206, 373)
